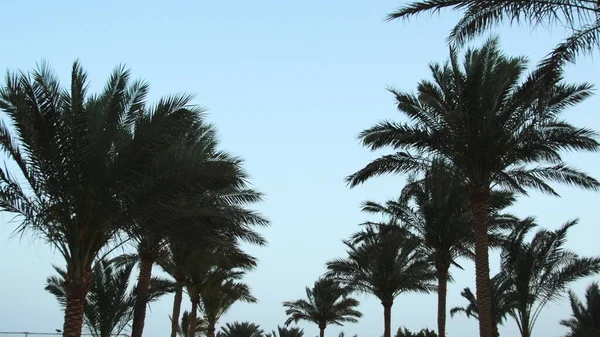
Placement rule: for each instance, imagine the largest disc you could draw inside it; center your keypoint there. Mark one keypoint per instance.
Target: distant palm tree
(502, 303)
(283, 331)
(491, 126)
(218, 297)
(183, 328)
(585, 319)
(581, 16)
(326, 303)
(384, 261)
(109, 303)
(243, 329)
(190, 266)
(539, 271)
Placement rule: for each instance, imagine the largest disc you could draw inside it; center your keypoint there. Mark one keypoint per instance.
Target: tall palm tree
(85, 166)
(326, 303)
(218, 297)
(218, 209)
(109, 303)
(441, 220)
(385, 261)
(539, 271)
(581, 16)
(491, 127)
(243, 329)
(585, 319)
(235, 221)
(502, 303)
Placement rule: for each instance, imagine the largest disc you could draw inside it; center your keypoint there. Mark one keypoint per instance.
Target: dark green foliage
(404, 332)
(384, 261)
(326, 303)
(109, 303)
(585, 319)
(243, 329)
(283, 331)
(184, 326)
(539, 271)
(502, 303)
(581, 16)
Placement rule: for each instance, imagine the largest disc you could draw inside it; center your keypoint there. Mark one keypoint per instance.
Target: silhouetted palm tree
(218, 297)
(243, 329)
(183, 328)
(109, 303)
(88, 166)
(539, 271)
(490, 126)
(585, 319)
(384, 261)
(436, 210)
(326, 303)
(502, 303)
(283, 331)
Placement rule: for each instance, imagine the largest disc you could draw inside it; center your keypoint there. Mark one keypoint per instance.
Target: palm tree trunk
(210, 332)
(77, 289)
(387, 317)
(141, 300)
(322, 330)
(480, 199)
(176, 308)
(192, 325)
(442, 272)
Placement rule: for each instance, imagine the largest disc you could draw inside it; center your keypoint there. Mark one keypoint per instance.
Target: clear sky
(289, 85)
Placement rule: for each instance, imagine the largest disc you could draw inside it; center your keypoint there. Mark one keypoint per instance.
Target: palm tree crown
(585, 319)
(384, 261)
(539, 271)
(326, 303)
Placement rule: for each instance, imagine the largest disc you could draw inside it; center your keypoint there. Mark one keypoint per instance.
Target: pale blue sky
(289, 85)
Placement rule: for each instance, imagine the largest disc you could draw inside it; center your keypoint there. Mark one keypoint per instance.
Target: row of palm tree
(493, 130)
(490, 127)
(90, 173)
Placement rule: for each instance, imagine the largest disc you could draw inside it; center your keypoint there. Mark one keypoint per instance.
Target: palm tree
(109, 303)
(243, 329)
(283, 331)
(326, 303)
(177, 261)
(219, 209)
(184, 327)
(219, 296)
(215, 264)
(87, 166)
(539, 271)
(491, 127)
(235, 221)
(384, 261)
(441, 219)
(585, 320)
(581, 16)
(502, 303)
